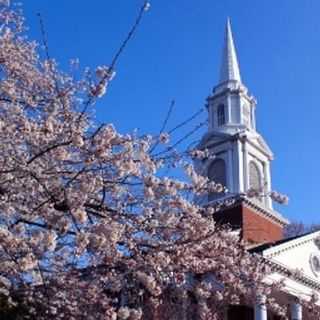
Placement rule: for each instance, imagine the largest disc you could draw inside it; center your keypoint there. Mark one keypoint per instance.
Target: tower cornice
(239, 89)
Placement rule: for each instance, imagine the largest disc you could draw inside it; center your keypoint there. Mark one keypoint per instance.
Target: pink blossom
(164, 138)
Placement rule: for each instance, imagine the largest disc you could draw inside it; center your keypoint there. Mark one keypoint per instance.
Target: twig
(186, 121)
(117, 55)
(46, 48)
(41, 153)
(172, 104)
(129, 36)
(170, 148)
(44, 36)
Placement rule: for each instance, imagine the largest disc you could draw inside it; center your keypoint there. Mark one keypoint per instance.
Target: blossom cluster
(89, 227)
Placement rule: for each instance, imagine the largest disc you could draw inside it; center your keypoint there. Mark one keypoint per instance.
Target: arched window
(255, 181)
(217, 173)
(254, 176)
(221, 115)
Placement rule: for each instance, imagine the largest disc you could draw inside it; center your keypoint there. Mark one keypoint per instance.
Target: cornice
(233, 91)
(241, 136)
(271, 214)
(291, 274)
(232, 87)
(259, 209)
(289, 245)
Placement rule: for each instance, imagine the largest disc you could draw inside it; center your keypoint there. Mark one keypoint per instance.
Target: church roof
(265, 246)
(295, 261)
(229, 66)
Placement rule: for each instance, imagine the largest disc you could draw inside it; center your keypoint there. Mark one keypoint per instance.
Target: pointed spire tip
(229, 67)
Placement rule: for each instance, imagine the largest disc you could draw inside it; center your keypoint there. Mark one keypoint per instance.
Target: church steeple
(232, 134)
(229, 64)
(231, 108)
(241, 157)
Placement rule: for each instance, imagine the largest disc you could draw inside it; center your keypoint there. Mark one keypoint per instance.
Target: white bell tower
(230, 107)
(242, 157)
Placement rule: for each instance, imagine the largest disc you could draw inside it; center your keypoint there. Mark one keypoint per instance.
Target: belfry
(241, 157)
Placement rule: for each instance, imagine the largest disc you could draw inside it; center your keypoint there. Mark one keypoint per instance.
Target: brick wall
(258, 229)
(254, 227)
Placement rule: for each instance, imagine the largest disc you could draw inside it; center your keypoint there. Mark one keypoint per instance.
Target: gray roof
(268, 245)
(229, 66)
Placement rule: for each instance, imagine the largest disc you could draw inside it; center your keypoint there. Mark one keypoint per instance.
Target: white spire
(229, 67)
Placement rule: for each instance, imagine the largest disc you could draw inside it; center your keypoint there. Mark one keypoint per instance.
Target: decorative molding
(242, 136)
(294, 243)
(267, 213)
(305, 280)
(317, 242)
(264, 212)
(314, 261)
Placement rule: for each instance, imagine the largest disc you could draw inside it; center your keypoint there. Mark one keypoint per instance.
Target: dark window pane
(240, 313)
(221, 115)
(217, 173)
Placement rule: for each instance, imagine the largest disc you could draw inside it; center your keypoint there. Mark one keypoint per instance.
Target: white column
(229, 109)
(260, 308)
(253, 116)
(241, 120)
(267, 177)
(245, 166)
(266, 186)
(230, 174)
(239, 182)
(296, 310)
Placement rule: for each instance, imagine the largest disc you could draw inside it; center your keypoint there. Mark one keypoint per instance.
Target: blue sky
(176, 55)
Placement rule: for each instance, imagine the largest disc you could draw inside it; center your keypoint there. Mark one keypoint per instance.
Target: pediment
(213, 137)
(257, 140)
(263, 144)
(300, 254)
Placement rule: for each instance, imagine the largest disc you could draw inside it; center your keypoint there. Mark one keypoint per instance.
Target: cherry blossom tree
(89, 227)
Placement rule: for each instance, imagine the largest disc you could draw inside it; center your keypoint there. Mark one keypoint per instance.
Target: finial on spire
(229, 67)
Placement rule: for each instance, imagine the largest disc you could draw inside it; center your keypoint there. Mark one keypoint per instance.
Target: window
(255, 178)
(217, 173)
(221, 115)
